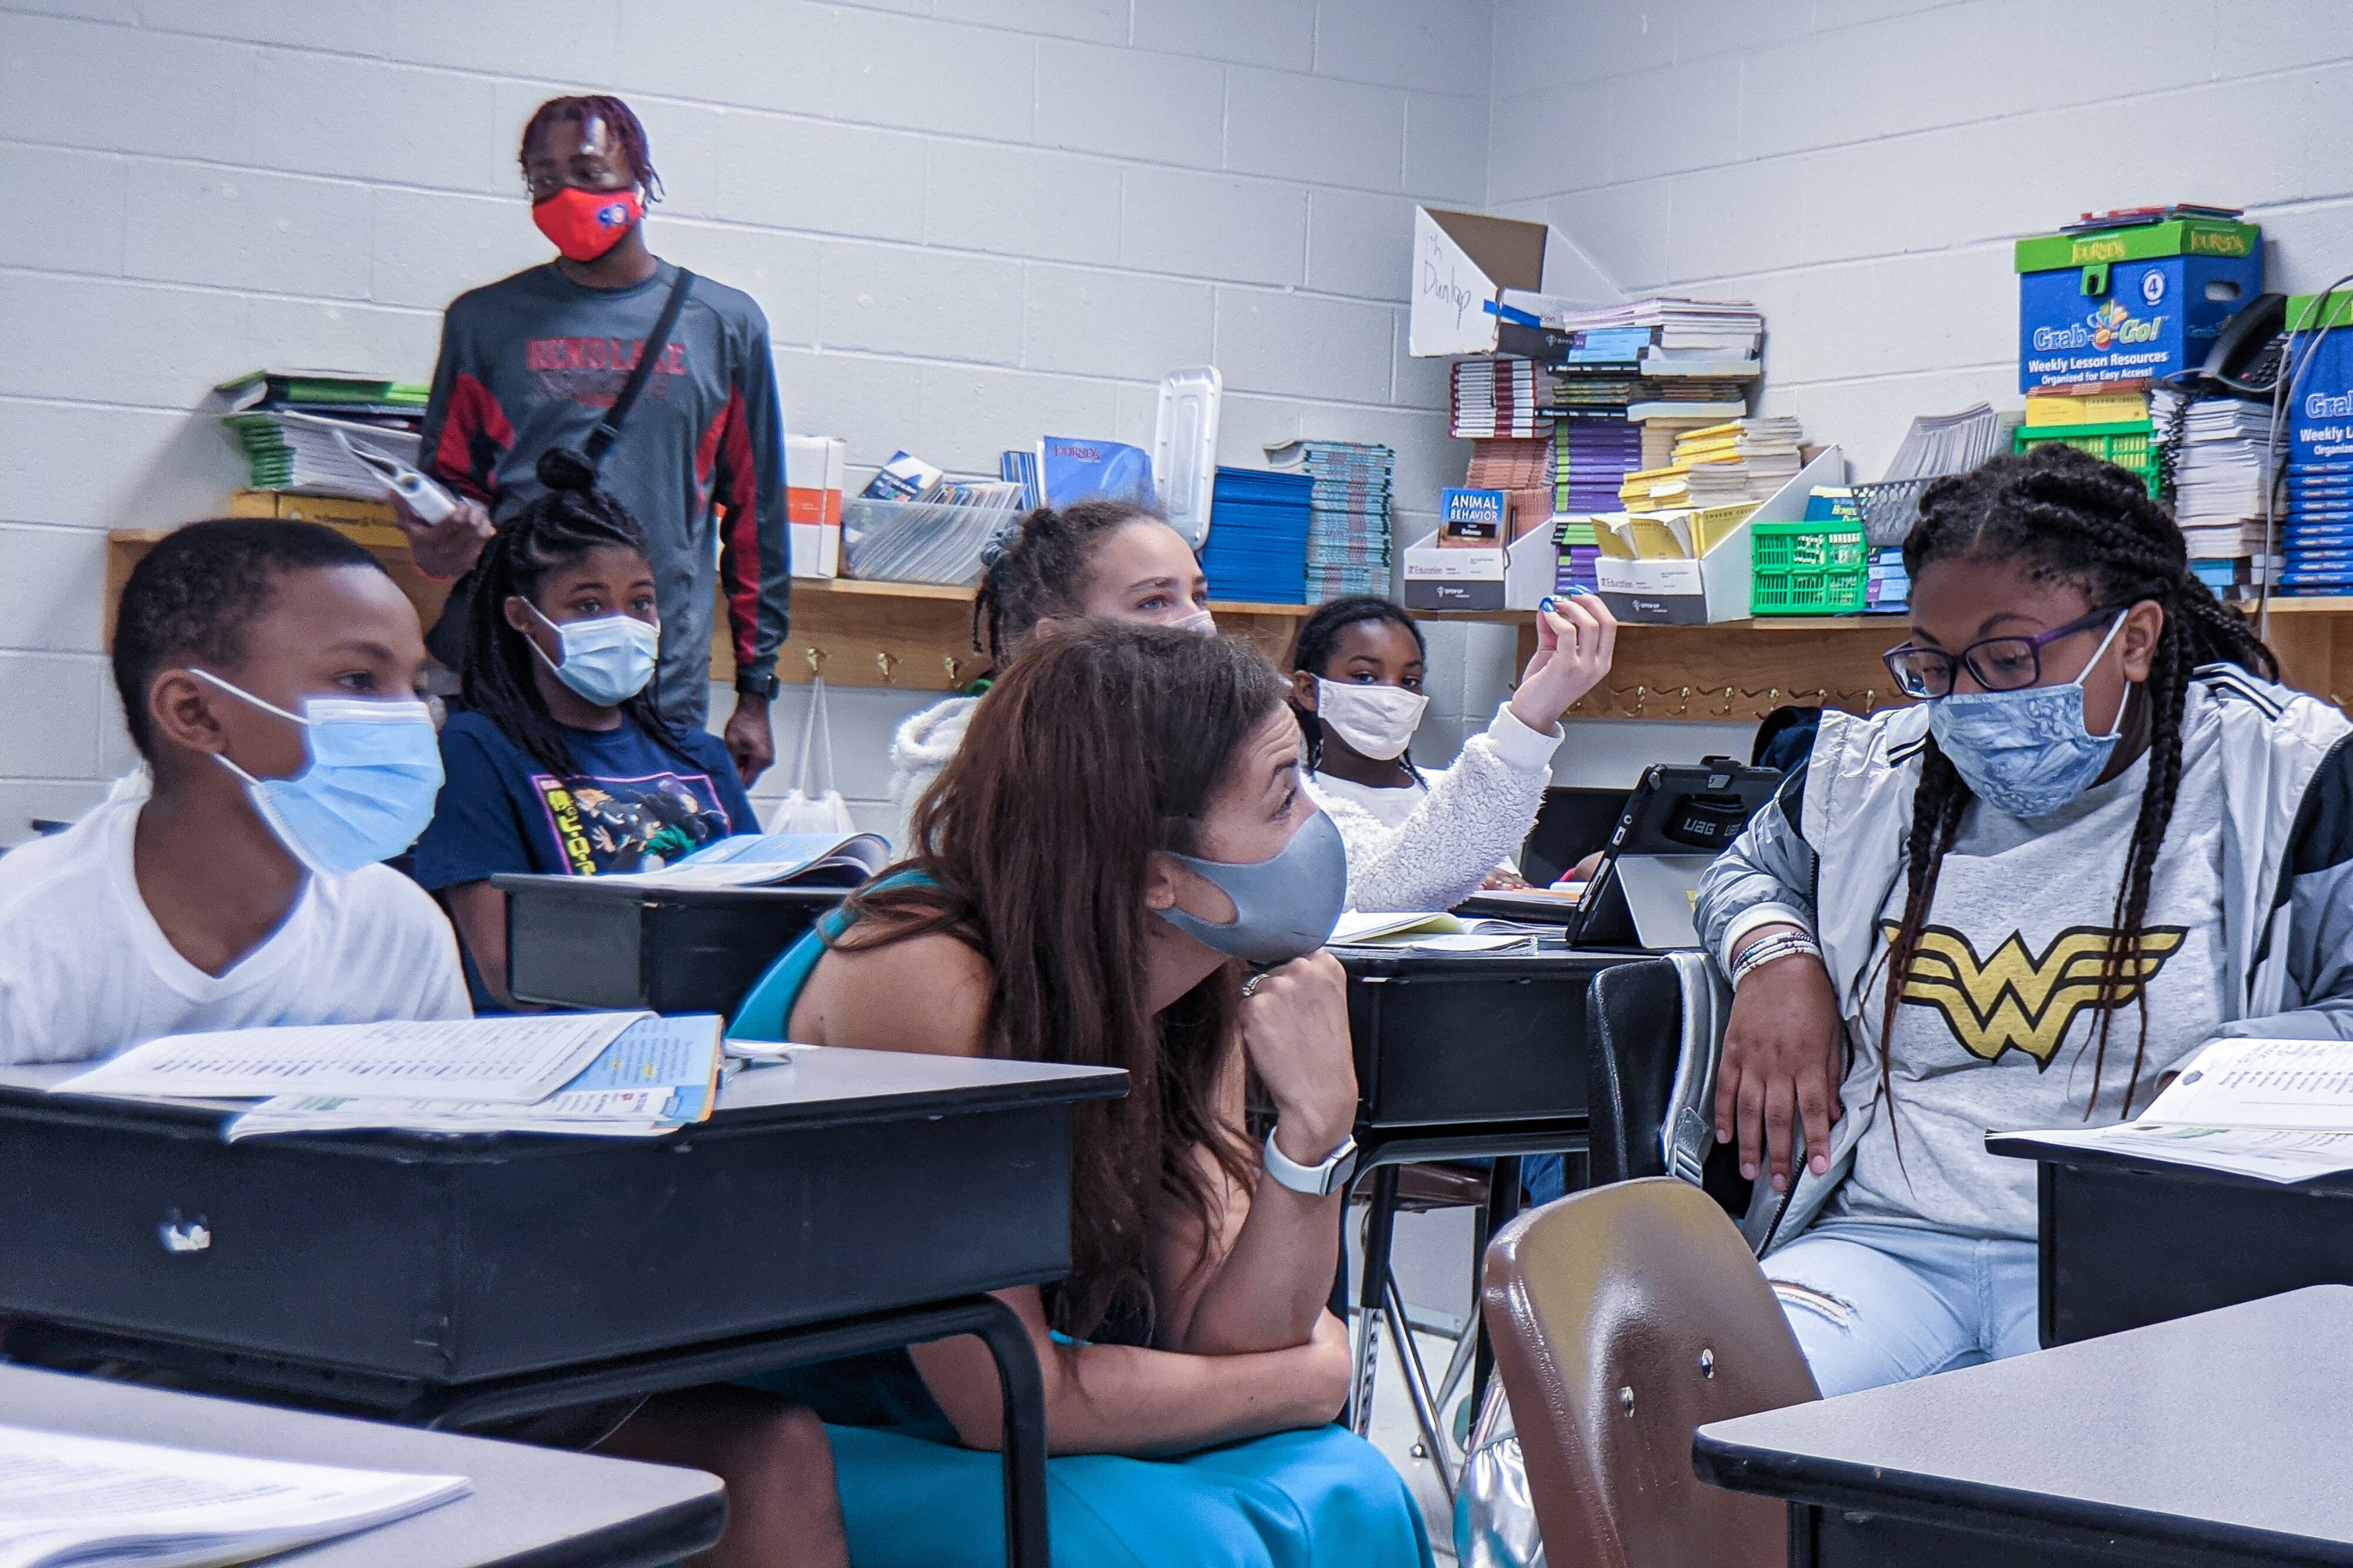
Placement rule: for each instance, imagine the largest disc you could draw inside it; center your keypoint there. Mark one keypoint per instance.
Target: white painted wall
(1860, 167)
(969, 221)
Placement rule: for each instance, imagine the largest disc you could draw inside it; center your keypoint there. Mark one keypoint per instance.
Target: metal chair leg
(1458, 1365)
(1416, 1388)
(1380, 1222)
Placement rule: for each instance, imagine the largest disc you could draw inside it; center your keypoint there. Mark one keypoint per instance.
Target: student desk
(850, 1201)
(2217, 1439)
(603, 942)
(2128, 1241)
(1464, 1056)
(539, 1506)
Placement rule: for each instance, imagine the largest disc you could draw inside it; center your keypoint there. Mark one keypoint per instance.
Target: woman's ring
(1257, 979)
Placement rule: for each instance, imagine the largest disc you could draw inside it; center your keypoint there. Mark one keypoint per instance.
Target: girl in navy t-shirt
(560, 761)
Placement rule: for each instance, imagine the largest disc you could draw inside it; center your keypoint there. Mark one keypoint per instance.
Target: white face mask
(1378, 722)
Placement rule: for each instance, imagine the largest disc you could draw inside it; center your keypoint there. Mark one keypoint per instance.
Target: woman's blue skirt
(1320, 1498)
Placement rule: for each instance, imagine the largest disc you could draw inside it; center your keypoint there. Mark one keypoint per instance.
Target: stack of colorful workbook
(1257, 549)
(1521, 466)
(1592, 455)
(1494, 395)
(2222, 457)
(1742, 460)
(1348, 514)
(1579, 552)
(295, 427)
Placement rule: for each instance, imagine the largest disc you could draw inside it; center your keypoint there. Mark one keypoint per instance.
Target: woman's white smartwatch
(1319, 1181)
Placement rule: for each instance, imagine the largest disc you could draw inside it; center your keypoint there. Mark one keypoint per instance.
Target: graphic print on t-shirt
(2023, 1002)
(629, 825)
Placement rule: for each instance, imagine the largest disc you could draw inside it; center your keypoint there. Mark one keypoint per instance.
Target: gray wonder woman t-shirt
(1998, 1025)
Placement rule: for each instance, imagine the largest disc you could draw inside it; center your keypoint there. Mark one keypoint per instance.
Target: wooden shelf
(917, 637)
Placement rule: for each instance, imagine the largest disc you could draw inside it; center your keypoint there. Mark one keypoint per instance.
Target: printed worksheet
(68, 1498)
(2302, 1084)
(516, 1060)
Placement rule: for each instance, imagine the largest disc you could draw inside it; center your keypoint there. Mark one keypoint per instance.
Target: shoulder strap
(608, 428)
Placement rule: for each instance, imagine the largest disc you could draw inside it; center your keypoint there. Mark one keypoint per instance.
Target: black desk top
(624, 890)
(550, 1507)
(822, 1086)
(2025, 1146)
(843, 1183)
(2225, 1429)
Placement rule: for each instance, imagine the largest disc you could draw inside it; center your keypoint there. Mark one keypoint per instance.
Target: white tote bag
(814, 805)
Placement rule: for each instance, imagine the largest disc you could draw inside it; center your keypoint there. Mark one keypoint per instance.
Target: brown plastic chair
(1624, 1318)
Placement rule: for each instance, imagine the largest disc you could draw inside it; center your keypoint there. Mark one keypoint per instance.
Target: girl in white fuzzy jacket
(1428, 841)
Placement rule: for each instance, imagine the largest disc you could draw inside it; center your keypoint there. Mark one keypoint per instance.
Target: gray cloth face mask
(1284, 908)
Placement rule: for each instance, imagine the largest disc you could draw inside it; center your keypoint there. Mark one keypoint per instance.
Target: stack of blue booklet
(2316, 540)
(1257, 549)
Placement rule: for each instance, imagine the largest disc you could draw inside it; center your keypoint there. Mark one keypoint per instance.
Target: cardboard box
(2127, 306)
(1452, 577)
(816, 466)
(1696, 569)
(1481, 284)
(1531, 569)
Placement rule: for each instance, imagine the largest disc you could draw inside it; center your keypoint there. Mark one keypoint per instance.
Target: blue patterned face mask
(2027, 752)
(368, 790)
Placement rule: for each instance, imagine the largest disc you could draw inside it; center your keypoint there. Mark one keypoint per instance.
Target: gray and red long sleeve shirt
(534, 360)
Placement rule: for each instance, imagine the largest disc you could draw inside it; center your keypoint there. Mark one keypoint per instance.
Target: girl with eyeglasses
(2099, 837)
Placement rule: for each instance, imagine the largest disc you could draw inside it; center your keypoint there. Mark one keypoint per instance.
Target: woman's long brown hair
(1096, 748)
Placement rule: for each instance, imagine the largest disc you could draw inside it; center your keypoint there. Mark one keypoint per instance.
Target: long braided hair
(499, 679)
(1038, 568)
(2066, 516)
(1317, 640)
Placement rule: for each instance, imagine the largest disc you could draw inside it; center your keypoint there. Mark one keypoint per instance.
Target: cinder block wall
(968, 221)
(1860, 167)
(971, 220)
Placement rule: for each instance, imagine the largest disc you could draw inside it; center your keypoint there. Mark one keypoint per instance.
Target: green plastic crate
(2131, 446)
(1807, 569)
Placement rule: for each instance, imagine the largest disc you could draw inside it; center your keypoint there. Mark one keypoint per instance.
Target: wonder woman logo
(2016, 1001)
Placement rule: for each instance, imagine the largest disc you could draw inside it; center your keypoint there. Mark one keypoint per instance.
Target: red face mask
(585, 225)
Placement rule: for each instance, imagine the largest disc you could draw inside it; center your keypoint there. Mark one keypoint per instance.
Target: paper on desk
(659, 1075)
(2303, 1084)
(513, 1060)
(68, 1499)
(2279, 1110)
(1429, 932)
(1357, 929)
(2270, 1154)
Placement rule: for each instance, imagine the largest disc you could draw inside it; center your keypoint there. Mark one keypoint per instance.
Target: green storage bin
(2131, 445)
(1807, 569)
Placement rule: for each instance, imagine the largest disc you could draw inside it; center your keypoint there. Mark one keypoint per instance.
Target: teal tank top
(767, 1010)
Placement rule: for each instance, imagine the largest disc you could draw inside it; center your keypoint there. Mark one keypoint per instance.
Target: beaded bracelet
(1783, 945)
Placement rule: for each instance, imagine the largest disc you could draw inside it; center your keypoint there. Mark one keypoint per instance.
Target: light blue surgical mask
(607, 660)
(1284, 908)
(368, 790)
(2027, 752)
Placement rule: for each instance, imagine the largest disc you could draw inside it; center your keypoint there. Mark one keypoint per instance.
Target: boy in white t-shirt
(269, 672)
